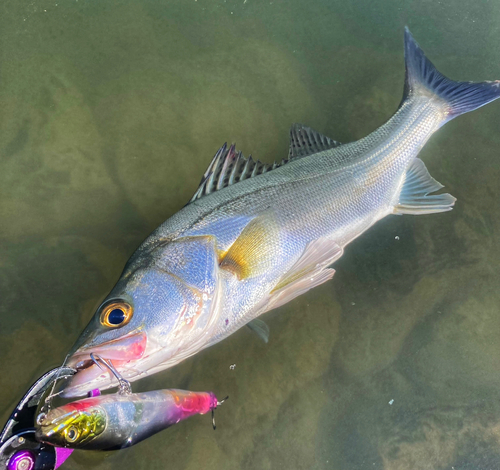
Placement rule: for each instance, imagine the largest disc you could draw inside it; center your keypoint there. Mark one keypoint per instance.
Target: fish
(119, 420)
(254, 236)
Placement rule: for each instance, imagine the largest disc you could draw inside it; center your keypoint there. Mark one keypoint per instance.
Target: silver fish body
(246, 245)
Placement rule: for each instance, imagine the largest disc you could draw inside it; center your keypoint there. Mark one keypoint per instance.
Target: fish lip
(128, 347)
(122, 352)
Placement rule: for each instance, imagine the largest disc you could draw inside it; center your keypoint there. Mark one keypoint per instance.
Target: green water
(110, 112)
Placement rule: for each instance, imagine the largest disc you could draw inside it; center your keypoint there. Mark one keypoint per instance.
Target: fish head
(154, 317)
(74, 425)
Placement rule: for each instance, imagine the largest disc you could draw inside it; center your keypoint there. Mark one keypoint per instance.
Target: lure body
(116, 421)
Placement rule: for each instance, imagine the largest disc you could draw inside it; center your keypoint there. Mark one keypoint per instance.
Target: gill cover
(193, 263)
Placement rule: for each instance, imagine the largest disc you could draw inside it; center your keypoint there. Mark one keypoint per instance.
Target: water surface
(110, 112)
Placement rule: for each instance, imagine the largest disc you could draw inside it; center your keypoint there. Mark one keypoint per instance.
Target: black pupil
(116, 316)
(72, 434)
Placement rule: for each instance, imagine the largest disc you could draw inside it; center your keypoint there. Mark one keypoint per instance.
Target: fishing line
(48, 400)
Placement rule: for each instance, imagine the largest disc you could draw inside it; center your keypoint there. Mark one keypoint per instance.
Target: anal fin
(415, 197)
(260, 328)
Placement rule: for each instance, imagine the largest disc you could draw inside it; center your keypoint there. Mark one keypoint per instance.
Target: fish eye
(72, 434)
(116, 314)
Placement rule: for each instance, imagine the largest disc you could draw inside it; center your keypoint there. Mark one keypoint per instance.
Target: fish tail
(456, 97)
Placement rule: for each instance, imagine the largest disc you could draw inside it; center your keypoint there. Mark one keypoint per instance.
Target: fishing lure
(122, 419)
(109, 422)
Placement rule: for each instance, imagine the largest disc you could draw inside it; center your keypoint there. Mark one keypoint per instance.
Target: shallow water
(110, 112)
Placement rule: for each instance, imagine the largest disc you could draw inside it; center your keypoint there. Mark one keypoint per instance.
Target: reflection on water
(110, 113)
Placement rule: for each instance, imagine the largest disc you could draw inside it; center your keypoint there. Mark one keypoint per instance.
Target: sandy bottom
(109, 116)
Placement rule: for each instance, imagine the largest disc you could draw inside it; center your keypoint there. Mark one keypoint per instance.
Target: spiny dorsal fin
(306, 141)
(230, 167)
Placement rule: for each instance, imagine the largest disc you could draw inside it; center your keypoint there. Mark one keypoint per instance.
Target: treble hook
(124, 387)
(213, 409)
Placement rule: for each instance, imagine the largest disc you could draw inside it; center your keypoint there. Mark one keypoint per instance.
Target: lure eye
(116, 314)
(72, 434)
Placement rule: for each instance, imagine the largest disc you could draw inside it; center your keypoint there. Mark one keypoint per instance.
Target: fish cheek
(160, 303)
(192, 260)
(180, 286)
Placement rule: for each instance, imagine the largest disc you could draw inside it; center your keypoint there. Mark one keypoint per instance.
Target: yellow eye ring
(116, 314)
(72, 434)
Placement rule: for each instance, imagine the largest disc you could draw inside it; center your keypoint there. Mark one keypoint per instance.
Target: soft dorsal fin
(230, 167)
(305, 141)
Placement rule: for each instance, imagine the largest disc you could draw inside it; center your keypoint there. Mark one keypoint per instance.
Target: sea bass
(255, 236)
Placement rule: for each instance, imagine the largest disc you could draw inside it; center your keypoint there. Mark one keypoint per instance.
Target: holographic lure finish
(116, 421)
(255, 236)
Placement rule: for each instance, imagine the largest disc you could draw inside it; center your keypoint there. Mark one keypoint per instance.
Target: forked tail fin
(458, 97)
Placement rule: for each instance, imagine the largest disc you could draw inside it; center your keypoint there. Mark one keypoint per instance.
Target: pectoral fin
(299, 287)
(415, 198)
(318, 255)
(309, 271)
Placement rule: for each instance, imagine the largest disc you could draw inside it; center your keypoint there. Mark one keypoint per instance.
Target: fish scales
(254, 243)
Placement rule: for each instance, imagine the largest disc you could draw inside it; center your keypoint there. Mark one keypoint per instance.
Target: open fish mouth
(123, 353)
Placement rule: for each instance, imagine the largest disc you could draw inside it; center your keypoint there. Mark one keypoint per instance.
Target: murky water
(110, 111)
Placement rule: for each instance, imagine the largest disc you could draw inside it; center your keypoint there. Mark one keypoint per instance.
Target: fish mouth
(122, 352)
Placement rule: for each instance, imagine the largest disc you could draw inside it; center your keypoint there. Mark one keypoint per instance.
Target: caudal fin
(458, 97)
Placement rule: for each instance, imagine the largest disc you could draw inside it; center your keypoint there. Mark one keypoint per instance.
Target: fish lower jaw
(90, 377)
(87, 379)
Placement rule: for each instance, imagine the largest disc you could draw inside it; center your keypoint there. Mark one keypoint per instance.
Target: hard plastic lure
(255, 236)
(119, 420)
